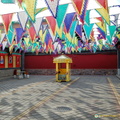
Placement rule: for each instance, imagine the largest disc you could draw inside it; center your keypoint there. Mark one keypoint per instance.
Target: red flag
(52, 23)
(92, 36)
(78, 4)
(100, 19)
(7, 19)
(32, 33)
(64, 29)
(20, 3)
(103, 3)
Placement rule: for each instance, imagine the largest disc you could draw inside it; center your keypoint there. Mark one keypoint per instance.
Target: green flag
(88, 30)
(10, 35)
(61, 14)
(112, 30)
(73, 28)
(87, 17)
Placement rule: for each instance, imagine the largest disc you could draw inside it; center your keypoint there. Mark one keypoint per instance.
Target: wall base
(6, 73)
(9, 72)
(74, 71)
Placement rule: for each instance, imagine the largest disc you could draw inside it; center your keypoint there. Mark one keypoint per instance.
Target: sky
(13, 8)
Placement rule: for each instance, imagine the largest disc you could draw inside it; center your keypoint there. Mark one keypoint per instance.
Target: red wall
(89, 61)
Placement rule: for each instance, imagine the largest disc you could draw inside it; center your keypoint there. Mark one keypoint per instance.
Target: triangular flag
(64, 29)
(88, 30)
(78, 5)
(61, 14)
(53, 6)
(112, 30)
(19, 33)
(103, 3)
(63, 36)
(102, 26)
(73, 27)
(18, 45)
(2, 37)
(38, 10)
(30, 7)
(42, 36)
(109, 39)
(87, 17)
(102, 33)
(92, 36)
(100, 19)
(47, 38)
(44, 27)
(51, 46)
(68, 20)
(51, 33)
(20, 3)
(104, 13)
(7, 19)
(52, 23)
(16, 48)
(10, 35)
(83, 14)
(26, 41)
(79, 30)
(115, 21)
(8, 1)
(118, 36)
(68, 36)
(23, 18)
(35, 45)
(59, 31)
(32, 33)
(11, 49)
(4, 44)
(100, 46)
(37, 25)
(94, 47)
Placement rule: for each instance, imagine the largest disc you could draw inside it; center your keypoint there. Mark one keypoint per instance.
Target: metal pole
(118, 62)
(22, 60)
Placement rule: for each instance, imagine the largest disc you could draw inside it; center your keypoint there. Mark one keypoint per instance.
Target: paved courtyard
(41, 98)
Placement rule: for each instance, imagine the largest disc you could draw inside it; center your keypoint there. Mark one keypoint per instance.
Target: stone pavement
(41, 98)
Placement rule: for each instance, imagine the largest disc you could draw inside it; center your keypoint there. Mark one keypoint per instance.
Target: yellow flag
(100, 46)
(72, 41)
(27, 41)
(43, 37)
(40, 33)
(76, 41)
(118, 36)
(30, 7)
(59, 30)
(37, 43)
(38, 10)
(68, 36)
(11, 49)
(102, 26)
(104, 13)
(73, 49)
